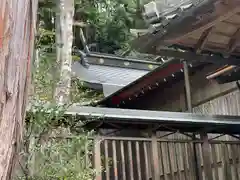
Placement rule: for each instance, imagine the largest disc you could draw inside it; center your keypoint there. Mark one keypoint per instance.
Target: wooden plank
(177, 163)
(130, 160)
(215, 162)
(146, 160)
(226, 165)
(138, 161)
(190, 156)
(202, 40)
(171, 160)
(235, 161)
(206, 157)
(106, 159)
(164, 157)
(163, 161)
(115, 160)
(185, 162)
(233, 41)
(123, 160)
(181, 161)
(196, 158)
(156, 172)
(97, 157)
(238, 158)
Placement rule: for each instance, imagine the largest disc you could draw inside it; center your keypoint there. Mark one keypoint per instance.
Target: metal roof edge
(109, 56)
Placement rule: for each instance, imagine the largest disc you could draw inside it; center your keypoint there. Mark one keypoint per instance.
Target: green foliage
(44, 80)
(56, 147)
(45, 39)
(109, 22)
(81, 94)
(51, 150)
(112, 21)
(65, 159)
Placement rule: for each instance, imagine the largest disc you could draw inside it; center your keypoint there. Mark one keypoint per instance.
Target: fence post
(156, 172)
(197, 165)
(225, 161)
(97, 157)
(206, 157)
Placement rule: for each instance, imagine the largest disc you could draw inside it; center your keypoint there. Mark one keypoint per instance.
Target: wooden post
(189, 109)
(97, 157)
(187, 87)
(206, 157)
(197, 166)
(156, 172)
(227, 174)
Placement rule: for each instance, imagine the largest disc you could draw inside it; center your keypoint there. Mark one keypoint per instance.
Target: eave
(211, 26)
(112, 118)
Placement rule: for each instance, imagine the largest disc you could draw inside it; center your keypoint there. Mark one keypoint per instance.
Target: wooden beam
(220, 72)
(202, 40)
(155, 165)
(233, 41)
(192, 57)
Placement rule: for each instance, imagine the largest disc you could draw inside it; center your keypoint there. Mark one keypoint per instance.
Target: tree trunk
(17, 28)
(64, 39)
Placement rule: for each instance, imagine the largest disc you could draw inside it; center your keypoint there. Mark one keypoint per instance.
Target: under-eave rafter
(207, 26)
(234, 41)
(221, 13)
(203, 39)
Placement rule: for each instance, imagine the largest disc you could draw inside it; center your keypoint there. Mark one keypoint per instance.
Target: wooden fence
(123, 158)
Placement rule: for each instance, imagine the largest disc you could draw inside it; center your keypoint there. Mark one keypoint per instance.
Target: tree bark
(17, 29)
(64, 39)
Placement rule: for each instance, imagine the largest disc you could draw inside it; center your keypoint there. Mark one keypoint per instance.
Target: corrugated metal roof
(187, 122)
(115, 75)
(111, 78)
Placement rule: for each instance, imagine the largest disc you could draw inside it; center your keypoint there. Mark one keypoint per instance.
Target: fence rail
(124, 158)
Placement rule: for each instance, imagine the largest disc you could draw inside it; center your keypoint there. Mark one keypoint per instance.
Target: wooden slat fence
(123, 158)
